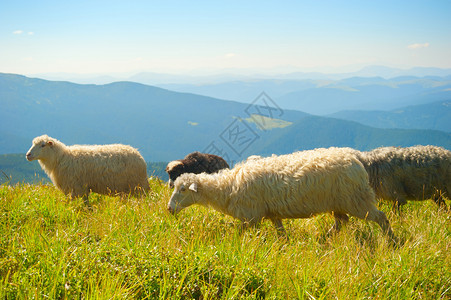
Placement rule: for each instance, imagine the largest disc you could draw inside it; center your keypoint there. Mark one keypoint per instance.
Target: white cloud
(30, 33)
(18, 32)
(418, 46)
(230, 55)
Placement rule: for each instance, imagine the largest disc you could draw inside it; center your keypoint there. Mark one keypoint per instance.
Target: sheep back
(102, 169)
(412, 173)
(76, 170)
(297, 185)
(196, 163)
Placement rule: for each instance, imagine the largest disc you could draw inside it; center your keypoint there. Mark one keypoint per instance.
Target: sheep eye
(43, 145)
(182, 189)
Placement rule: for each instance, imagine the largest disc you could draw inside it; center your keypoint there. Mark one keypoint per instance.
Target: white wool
(298, 185)
(76, 170)
(411, 173)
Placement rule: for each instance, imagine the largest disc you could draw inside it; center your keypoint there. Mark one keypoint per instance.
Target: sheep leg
(245, 224)
(398, 203)
(340, 219)
(80, 192)
(85, 200)
(380, 218)
(438, 199)
(279, 226)
(140, 191)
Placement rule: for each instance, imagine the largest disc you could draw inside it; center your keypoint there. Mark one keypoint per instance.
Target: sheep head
(174, 169)
(184, 195)
(41, 148)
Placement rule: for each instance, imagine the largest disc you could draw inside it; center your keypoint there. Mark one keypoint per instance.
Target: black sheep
(196, 163)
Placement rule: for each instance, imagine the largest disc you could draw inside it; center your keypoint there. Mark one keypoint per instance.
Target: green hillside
(313, 132)
(14, 168)
(128, 248)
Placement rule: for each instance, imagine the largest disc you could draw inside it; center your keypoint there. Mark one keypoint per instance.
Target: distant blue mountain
(323, 97)
(436, 115)
(313, 132)
(166, 125)
(369, 96)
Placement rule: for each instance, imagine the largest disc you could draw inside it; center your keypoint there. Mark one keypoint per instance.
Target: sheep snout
(171, 183)
(171, 210)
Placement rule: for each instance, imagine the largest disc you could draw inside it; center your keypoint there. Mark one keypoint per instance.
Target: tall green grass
(122, 248)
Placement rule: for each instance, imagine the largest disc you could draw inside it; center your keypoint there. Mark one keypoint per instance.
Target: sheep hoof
(394, 241)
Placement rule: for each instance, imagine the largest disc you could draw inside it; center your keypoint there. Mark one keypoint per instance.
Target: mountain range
(324, 97)
(435, 115)
(314, 131)
(166, 125)
(211, 77)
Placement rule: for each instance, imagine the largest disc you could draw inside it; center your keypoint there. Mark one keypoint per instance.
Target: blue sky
(105, 37)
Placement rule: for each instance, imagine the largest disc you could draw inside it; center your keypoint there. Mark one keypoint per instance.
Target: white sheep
(298, 185)
(76, 170)
(412, 173)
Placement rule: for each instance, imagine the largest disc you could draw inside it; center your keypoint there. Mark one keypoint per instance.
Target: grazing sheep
(298, 185)
(196, 163)
(412, 173)
(77, 170)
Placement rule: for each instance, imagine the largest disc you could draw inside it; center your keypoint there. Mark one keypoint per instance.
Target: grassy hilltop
(54, 248)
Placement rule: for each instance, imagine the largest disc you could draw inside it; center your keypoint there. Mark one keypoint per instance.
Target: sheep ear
(193, 187)
(50, 143)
